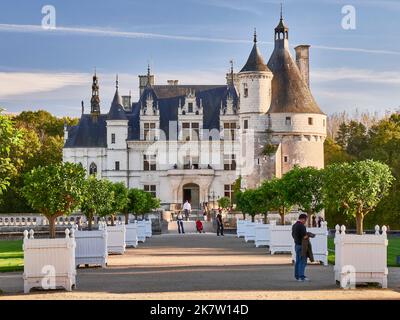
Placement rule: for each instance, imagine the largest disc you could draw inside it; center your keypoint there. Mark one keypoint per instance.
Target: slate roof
(92, 133)
(290, 93)
(89, 133)
(117, 111)
(255, 62)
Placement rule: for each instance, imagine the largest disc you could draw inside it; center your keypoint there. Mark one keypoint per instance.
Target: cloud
(21, 28)
(356, 75)
(102, 32)
(62, 93)
(233, 5)
(21, 83)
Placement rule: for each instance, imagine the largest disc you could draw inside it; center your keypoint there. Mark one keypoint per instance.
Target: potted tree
(150, 204)
(91, 245)
(264, 197)
(358, 188)
(137, 205)
(247, 202)
(116, 234)
(305, 191)
(281, 201)
(55, 190)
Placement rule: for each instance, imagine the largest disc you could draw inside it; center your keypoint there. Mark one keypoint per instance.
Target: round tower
(297, 123)
(254, 91)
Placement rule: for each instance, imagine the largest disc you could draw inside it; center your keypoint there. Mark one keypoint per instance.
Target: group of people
(187, 208)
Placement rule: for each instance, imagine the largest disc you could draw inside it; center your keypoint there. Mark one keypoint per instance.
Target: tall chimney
(303, 62)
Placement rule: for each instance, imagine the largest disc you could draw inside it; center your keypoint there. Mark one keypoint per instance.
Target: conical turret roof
(255, 62)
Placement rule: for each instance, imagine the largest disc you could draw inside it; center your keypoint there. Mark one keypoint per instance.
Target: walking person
(299, 233)
(220, 223)
(179, 220)
(186, 209)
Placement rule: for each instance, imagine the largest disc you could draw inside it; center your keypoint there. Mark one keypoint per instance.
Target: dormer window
(288, 121)
(190, 107)
(93, 169)
(149, 131)
(112, 138)
(310, 121)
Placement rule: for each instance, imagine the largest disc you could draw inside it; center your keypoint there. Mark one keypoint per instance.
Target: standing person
(299, 232)
(186, 209)
(314, 221)
(320, 220)
(220, 223)
(179, 220)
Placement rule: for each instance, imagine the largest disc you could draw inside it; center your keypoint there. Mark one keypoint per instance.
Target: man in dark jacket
(299, 233)
(220, 223)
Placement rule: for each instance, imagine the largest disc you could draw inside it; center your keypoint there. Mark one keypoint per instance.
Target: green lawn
(392, 252)
(11, 255)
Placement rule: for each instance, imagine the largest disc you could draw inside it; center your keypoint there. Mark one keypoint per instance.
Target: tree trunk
(52, 226)
(253, 218)
(244, 216)
(282, 214)
(112, 220)
(90, 221)
(126, 218)
(360, 223)
(265, 218)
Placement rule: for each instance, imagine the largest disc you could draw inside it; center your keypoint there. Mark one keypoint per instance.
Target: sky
(192, 41)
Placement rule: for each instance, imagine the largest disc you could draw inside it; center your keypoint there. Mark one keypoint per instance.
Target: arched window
(93, 169)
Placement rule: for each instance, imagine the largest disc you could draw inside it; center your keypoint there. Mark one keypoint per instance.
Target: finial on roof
(117, 82)
(281, 11)
(83, 107)
(255, 35)
(232, 74)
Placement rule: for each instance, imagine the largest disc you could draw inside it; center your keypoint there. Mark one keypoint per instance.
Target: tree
(151, 203)
(265, 198)
(119, 201)
(245, 203)
(98, 196)
(357, 187)
(281, 201)
(55, 190)
(137, 199)
(224, 203)
(304, 189)
(9, 137)
(334, 153)
(41, 143)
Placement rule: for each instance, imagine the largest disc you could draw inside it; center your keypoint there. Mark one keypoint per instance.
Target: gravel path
(201, 267)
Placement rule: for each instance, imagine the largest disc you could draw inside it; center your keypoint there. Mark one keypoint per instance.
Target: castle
(191, 142)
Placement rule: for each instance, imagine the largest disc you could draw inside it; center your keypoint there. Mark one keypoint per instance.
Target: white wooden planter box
(319, 244)
(361, 258)
(91, 247)
(250, 231)
(281, 239)
(116, 239)
(263, 235)
(131, 239)
(240, 228)
(49, 263)
(148, 230)
(141, 231)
